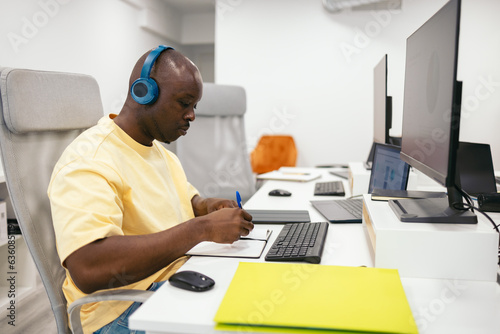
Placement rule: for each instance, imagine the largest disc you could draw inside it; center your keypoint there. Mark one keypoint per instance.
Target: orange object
(273, 152)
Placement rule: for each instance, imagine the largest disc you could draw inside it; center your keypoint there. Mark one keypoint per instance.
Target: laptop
(388, 172)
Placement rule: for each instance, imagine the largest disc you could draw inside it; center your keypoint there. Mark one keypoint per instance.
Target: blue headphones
(145, 89)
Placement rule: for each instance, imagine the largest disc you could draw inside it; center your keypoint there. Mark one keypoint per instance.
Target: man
(124, 213)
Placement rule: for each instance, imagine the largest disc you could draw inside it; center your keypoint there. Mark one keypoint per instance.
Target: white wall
(102, 38)
(92, 37)
(286, 53)
(310, 73)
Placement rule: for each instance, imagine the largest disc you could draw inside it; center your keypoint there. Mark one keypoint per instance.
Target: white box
(3, 221)
(359, 178)
(423, 250)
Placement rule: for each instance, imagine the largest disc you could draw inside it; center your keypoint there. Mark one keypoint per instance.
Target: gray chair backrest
(214, 151)
(41, 113)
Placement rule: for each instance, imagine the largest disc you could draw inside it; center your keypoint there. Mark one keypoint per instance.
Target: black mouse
(279, 192)
(191, 280)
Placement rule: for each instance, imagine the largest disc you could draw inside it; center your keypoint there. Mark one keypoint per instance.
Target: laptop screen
(388, 170)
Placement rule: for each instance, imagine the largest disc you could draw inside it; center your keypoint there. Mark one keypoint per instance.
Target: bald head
(180, 87)
(170, 64)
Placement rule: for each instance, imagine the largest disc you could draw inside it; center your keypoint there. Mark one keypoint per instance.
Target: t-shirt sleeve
(86, 206)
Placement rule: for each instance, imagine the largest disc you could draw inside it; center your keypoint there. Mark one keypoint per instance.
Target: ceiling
(192, 6)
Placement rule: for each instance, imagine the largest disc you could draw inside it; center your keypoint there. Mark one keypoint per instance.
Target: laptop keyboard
(299, 242)
(353, 205)
(330, 188)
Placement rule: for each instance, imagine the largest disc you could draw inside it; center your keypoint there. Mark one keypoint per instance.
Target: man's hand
(214, 204)
(222, 219)
(227, 225)
(203, 206)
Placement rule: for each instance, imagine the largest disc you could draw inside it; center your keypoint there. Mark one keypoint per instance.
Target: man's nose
(190, 115)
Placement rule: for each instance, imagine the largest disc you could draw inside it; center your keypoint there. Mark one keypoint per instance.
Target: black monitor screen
(382, 108)
(381, 114)
(430, 123)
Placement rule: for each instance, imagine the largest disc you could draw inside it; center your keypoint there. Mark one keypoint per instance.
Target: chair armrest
(126, 295)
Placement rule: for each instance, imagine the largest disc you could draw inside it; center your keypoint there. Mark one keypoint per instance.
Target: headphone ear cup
(144, 91)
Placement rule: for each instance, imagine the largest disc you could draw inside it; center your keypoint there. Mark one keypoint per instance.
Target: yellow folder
(307, 298)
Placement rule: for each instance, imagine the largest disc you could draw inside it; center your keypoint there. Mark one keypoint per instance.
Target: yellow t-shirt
(106, 184)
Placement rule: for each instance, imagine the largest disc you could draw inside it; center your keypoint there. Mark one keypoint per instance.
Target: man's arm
(122, 260)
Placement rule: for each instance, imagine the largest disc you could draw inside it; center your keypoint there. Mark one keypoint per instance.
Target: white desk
(439, 306)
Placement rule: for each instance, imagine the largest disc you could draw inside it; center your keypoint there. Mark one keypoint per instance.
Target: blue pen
(238, 199)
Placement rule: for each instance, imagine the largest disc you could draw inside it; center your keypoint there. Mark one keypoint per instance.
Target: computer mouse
(279, 192)
(191, 280)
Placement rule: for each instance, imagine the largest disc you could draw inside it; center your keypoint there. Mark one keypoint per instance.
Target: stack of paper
(307, 298)
(290, 174)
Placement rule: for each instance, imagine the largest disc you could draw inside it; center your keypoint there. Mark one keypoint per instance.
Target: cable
(470, 205)
(495, 226)
(467, 198)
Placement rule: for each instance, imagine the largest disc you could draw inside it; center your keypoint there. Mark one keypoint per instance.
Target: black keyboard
(299, 242)
(330, 188)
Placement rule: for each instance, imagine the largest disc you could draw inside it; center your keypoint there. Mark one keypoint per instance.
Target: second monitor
(382, 110)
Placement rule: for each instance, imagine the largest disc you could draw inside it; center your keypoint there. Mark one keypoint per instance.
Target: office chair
(214, 152)
(273, 152)
(41, 113)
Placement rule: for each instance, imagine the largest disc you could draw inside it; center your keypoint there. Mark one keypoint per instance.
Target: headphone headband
(145, 89)
(150, 60)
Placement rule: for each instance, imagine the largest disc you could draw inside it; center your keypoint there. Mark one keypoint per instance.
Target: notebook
(292, 298)
(388, 172)
(250, 246)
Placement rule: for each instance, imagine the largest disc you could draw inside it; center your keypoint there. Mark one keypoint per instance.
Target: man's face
(175, 107)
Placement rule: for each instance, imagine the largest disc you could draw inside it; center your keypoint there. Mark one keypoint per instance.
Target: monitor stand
(430, 210)
(433, 210)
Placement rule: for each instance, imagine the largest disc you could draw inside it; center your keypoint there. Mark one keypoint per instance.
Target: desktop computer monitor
(382, 109)
(431, 118)
(382, 104)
